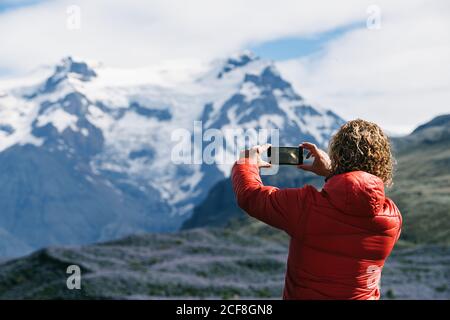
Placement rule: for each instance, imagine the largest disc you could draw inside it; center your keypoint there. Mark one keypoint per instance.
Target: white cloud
(136, 33)
(398, 76)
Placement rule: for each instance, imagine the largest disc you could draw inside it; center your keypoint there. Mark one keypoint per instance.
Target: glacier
(85, 150)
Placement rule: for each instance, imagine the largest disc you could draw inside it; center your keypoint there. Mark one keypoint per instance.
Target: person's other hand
(321, 164)
(254, 155)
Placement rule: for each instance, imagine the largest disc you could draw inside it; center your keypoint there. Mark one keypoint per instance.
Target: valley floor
(201, 264)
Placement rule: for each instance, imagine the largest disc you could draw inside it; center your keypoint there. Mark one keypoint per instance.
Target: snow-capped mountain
(86, 152)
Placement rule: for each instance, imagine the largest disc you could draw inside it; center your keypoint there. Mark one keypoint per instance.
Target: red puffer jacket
(340, 236)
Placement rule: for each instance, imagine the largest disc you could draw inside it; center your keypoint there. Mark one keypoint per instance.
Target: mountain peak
(269, 78)
(68, 68)
(79, 69)
(439, 121)
(237, 60)
(243, 56)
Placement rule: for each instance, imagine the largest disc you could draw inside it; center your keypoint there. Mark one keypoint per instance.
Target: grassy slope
(245, 260)
(422, 191)
(200, 263)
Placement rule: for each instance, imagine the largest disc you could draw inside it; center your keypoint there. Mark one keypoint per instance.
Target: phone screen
(285, 155)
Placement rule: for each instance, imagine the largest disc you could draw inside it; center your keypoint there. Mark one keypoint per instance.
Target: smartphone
(285, 155)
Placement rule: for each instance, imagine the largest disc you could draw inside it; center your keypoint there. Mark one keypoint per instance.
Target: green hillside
(422, 184)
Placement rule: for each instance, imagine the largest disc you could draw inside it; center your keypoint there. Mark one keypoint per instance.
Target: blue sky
(7, 5)
(296, 47)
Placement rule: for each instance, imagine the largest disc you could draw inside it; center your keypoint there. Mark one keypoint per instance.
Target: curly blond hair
(361, 145)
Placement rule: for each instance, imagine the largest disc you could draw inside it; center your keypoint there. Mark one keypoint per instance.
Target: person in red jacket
(340, 236)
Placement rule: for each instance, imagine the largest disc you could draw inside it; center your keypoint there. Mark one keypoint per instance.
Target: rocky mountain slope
(87, 152)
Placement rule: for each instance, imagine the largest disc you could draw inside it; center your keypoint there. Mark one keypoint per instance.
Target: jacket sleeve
(280, 208)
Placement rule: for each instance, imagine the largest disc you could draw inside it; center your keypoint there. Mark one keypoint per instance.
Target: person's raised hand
(254, 155)
(321, 164)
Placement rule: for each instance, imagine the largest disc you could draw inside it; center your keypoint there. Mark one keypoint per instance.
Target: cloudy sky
(385, 61)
